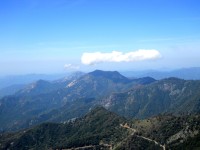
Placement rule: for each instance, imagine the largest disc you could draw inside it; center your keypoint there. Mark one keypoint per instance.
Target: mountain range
(6, 81)
(43, 97)
(165, 111)
(12, 84)
(172, 95)
(184, 73)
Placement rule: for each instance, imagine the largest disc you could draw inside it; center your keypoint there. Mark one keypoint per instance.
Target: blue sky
(42, 36)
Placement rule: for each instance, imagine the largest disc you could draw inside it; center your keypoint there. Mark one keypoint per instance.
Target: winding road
(134, 131)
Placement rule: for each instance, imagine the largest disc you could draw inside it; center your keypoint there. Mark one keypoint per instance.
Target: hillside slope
(99, 128)
(102, 129)
(44, 97)
(170, 95)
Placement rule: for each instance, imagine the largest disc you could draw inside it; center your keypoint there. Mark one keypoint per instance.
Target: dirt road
(146, 138)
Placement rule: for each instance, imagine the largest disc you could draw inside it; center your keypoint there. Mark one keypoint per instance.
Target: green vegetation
(99, 126)
(171, 95)
(102, 129)
(169, 110)
(175, 132)
(134, 142)
(44, 101)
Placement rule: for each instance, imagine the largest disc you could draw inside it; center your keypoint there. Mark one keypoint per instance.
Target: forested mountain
(42, 97)
(170, 95)
(101, 129)
(62, 100)
(52, 114)
(35, 84)
(164, 132)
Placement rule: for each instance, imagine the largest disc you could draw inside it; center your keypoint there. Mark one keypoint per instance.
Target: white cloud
(71, 67)
(116, 56)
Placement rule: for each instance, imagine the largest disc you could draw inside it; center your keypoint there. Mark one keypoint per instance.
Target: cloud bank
(116, 56)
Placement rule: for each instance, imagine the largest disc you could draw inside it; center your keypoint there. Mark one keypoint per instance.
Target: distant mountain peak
(145, 80)
(101, 72)
(112, 75)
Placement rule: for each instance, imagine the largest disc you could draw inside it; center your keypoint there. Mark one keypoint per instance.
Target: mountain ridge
(170, 95)
(98, 126)
(192, 73)
(102, 129)
(139, 98)
(115, 76)
(35, 102)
